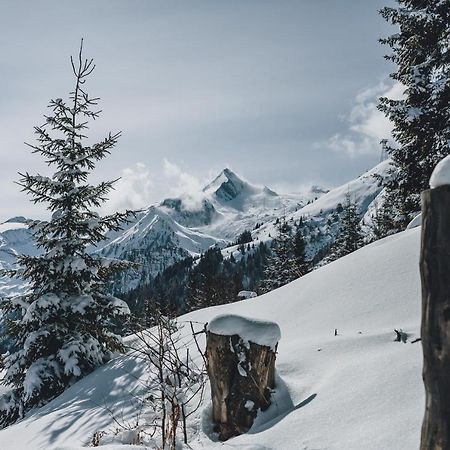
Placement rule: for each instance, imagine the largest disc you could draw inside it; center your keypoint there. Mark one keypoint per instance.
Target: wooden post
(435, 331)
(242, 375)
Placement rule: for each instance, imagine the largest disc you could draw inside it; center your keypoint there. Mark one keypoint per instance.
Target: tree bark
(242, 376)
(435, 331)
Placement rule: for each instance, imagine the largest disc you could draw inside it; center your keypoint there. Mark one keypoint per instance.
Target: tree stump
(240, 356)
(435, 332)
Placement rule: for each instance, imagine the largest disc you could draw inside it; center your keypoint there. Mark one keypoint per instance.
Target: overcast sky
(283, 92)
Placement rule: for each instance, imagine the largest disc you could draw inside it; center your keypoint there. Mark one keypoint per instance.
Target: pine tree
(207, 284)
(422, 118)
(383, 223)
(245, 237)
(195, 293)
(281, 265)
(299, 251)
(350, 236)
(66, 324)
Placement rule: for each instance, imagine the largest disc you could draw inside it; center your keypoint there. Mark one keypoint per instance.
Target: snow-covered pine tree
(281, 267)
(350, 236)
(421, 120)
(66, 324)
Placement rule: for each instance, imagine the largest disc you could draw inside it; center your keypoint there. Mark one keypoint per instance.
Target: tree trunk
(435, 273)
(242, 376)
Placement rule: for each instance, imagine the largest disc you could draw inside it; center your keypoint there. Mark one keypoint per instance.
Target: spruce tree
(66, 323)
(383, 223)
(207, 284)
(350, 236)
(281, 267)
(299, 251)
(421, 120)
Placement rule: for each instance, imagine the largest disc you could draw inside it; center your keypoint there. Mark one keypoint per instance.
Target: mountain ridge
(175, 228)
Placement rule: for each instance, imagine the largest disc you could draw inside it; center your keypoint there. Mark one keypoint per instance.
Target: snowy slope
(362, 191)
(358, 390)
(157, 226)
(320, 217)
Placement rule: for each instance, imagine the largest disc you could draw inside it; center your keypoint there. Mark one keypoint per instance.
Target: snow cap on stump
(259, 332)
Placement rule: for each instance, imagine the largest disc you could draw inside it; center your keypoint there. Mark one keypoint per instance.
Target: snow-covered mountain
(363, 190)
(15, 239)
(358, 390)
(187, 226)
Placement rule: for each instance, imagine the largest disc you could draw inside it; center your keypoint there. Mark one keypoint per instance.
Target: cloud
(133, 191)
(352, 145)
(139, 186)
(366, 125)
(184, 185)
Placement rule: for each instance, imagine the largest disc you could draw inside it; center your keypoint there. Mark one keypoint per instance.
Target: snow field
(358, 390)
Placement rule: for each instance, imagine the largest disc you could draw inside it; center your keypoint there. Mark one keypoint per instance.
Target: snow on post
(435, 331)
(240, 356)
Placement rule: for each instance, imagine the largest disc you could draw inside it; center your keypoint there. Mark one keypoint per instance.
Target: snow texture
(250, 330)
(441, 173)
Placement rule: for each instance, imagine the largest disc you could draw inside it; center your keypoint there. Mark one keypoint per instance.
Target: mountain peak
(17, 219)
(227, 185)
(229, 173)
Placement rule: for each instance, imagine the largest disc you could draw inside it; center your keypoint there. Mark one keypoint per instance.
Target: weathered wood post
(435, 331)
(240, 355)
